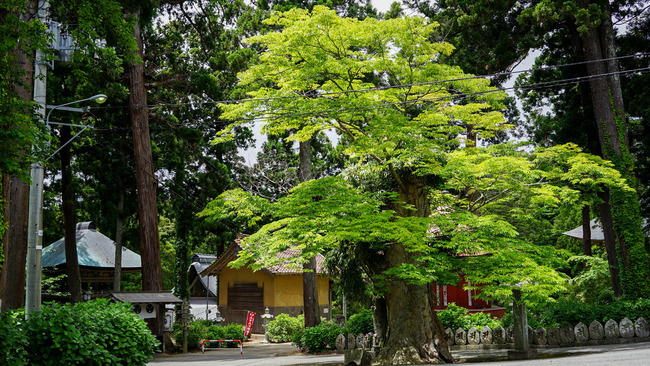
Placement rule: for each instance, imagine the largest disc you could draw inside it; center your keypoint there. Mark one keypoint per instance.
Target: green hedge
(230, 331)
(202, 329)
(197, 332)
(455, 317)
(319, 338)
(360, 323)
(571, 312)
(91, 333)
(284, 327)
(13, 341)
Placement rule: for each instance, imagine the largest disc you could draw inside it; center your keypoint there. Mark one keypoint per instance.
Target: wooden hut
(95, 253)
(278, 288)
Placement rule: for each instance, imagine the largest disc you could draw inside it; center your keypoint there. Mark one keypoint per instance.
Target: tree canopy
(417, 202)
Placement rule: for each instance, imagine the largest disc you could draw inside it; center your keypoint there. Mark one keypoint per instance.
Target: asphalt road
(636, 354)
(253, 355)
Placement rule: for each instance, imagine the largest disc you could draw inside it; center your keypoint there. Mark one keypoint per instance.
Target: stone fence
(611, 333)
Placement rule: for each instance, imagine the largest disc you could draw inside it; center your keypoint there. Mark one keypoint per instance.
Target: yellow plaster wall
(289, 290)
(281, 290)
(229, 276)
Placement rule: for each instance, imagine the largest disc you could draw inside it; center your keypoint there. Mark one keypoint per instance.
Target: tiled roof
(290, 253)
(284, 269)
(162, 297)
(94, 249)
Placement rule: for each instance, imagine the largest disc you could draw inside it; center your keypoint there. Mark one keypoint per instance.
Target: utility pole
(35, 218)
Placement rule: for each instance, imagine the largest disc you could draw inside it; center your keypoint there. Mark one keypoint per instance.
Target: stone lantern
(266, 318)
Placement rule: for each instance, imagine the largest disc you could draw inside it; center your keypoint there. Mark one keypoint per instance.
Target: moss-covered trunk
(413, 333)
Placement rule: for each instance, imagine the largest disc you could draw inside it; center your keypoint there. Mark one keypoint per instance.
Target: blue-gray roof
(93, 250)
(201, 262)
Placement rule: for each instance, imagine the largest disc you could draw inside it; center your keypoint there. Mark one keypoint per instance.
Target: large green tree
(380, 85)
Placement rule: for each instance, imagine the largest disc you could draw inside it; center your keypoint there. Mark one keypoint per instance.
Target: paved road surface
(637, 354)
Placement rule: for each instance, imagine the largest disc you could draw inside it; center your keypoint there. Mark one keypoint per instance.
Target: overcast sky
(382, 5)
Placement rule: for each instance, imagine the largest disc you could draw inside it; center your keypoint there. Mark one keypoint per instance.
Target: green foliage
(3, 227)
(589, 285)
(240, 208)
(502, 193)
(197, 332)
(230, 331)
(319, 338)
(21, 37)
(181, 280)
(571, 311)
(54, 285)
(90, 333)
(283, 327)
(13, 341)
(455, 317)
(360, 323)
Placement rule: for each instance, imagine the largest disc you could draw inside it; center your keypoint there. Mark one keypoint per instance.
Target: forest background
(192, 52)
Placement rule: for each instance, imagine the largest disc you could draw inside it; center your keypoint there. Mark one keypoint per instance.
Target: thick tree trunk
(380, 319)
(609, 112)
(69, 219)
(146, 182)
(14, 243)
(586, 231)
(413, 333)
(309, 275)
(15, 194)
(606, 95)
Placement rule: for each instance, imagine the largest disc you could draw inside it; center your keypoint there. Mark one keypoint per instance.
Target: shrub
(360, 323)
(571, 312)
(283, 327)
(195, 334)
(318, 338)
(230, 331)
(13, 342)
(455, 317)
(91, 333)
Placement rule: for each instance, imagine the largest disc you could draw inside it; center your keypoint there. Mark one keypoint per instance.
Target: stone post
(266, 318)
(522, 346)
(185, 322)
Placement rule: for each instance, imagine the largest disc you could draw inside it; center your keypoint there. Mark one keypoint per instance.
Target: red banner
(250, 318)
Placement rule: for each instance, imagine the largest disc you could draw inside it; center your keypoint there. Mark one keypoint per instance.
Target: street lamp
(99, 98)
(35, 218)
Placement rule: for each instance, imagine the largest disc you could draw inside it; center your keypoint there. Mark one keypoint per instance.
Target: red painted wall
(458, 295)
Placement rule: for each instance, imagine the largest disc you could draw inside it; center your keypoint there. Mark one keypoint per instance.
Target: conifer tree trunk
(69, 219)
(15, 194)
(145, 180)
(624, 227)
(309, 275)
(119, 226)
(14, 243)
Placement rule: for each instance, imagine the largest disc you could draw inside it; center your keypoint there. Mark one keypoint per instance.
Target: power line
(387, 87)
(182, 193)
(546, 84)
